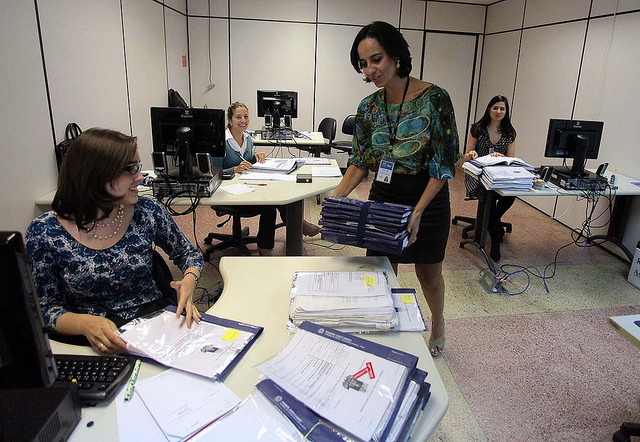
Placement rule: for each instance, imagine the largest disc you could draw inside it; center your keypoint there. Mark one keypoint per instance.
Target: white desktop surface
(274, 193)
(256, 291)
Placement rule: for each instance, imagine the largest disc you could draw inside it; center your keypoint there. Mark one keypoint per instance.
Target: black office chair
(328, 127)
(239, 237)
(472, 223)
(348, 127)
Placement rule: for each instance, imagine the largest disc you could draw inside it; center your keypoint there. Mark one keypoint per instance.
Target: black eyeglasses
(133, 169)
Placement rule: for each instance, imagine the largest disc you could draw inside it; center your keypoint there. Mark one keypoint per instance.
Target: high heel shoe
(309, 229)
(436, 345)
(494, 253)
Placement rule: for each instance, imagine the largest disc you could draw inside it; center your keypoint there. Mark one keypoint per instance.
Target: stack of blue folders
(368, 224)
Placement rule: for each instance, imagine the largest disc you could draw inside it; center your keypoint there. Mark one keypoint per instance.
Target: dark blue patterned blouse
(70, 277)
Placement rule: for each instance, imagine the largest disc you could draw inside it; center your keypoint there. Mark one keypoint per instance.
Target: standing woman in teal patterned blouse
(410, 125)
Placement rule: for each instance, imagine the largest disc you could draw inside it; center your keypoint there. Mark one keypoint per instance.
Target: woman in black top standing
(493, 135)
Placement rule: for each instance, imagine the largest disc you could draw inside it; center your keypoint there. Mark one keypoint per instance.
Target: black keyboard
(97, 377)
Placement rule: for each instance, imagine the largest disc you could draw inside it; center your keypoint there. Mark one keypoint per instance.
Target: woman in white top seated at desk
(493, 135)
(91, 257)
(238, 158)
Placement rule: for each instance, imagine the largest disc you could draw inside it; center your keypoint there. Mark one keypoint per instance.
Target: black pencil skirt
(432, 237)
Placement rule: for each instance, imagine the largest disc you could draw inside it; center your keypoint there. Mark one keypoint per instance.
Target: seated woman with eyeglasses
(91, 256)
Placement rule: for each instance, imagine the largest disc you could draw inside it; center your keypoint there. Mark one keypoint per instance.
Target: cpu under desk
(623, 197)
(247, 298)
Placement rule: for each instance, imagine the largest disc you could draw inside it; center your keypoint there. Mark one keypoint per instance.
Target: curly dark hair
(391, 41)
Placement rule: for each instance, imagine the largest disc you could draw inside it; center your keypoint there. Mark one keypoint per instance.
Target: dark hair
(232, 108)
(94, 159)
(505, 125)
(391, 41)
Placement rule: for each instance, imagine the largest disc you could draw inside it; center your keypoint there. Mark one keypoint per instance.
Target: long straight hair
(506, 127)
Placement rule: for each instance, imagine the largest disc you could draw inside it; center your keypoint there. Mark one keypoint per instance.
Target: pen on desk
(256, 184)
(132, 381)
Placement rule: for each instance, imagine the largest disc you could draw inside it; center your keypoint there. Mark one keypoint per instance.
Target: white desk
(275, 193)
(257, 292)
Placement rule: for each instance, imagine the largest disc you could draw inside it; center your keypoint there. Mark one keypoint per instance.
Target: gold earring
(398, 64)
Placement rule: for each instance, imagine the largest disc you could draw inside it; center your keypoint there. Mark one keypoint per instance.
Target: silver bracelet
(191, 273)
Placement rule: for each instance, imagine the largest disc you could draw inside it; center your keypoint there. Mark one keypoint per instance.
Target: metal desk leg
(485, 198)
(295, 212)
(617, 224)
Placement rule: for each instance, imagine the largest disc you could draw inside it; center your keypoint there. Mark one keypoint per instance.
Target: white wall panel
(298, 10)
(215, 8)
(85, 63)
(499, 60)
(146, 67)
(359, 12)
(178, 5)
(218, 96)
(339, 87)
(542, 12)
(178, 74)
(414, 39)
(455, 17)
(448, 62)
(413, 14)
(504, 16)
(291, 67)
(28, 161)
(545, 89)
(601, 7)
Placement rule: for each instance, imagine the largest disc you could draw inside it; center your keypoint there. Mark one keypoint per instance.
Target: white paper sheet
(326, 172)
(237, 189)
(350, 284)
(327, 377)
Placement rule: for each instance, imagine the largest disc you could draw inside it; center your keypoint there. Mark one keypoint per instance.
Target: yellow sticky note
(407, 299)
(370, 280)
(231, 335)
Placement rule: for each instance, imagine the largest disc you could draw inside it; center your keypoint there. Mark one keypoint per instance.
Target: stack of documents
(507, 178)
(368, 224)
(488, 160)
(211, 348)
(340, 299)
(367, 390)
(277, 165)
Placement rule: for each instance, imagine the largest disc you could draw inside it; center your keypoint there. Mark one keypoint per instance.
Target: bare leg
(432, 283)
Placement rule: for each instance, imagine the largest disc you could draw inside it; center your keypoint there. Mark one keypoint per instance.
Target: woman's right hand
(242, 167)
(101, 334)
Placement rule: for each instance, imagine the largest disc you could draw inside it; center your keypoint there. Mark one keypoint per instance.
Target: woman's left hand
(259, 157)
(497, 154)
(185, 289)
(413, 225)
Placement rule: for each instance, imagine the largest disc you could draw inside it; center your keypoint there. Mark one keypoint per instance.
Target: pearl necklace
(115, 232)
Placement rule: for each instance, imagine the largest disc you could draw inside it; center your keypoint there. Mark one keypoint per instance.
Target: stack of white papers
(368, 390)
(507, 178)
(276, 165)
(343, 299)
(489, 160)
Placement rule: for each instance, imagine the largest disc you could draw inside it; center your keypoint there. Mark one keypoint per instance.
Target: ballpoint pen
(132, 381)
(256, 184)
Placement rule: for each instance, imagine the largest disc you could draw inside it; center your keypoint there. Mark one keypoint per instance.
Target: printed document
(340, 284)
(352, 388)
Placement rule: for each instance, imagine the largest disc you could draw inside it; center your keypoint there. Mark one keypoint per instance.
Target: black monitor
(578, 140)
(26, 359)
(277, 104)
(180, 134)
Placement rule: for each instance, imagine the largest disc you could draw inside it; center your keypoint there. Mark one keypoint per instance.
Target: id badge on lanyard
(385, 169)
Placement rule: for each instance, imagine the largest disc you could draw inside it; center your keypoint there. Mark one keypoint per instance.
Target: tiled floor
(585, 290)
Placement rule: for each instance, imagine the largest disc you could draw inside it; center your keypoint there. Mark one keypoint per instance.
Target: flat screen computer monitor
(277, 104)
(26, 359)
(180, 134)
(578, 140)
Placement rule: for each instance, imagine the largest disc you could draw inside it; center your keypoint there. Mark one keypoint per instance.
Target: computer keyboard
(97, 377)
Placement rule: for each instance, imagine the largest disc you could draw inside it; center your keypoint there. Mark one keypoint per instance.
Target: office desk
(275, 193)
(246, 297)
(623, 198)
(314, 143)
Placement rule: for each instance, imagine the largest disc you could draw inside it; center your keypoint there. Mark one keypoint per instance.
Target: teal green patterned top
(427, 137)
